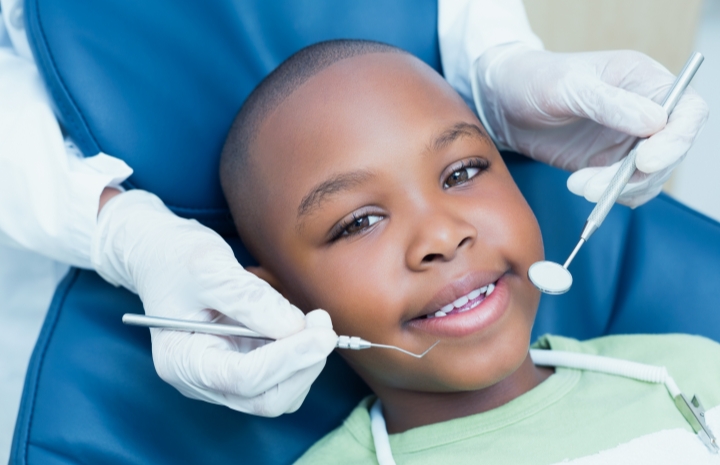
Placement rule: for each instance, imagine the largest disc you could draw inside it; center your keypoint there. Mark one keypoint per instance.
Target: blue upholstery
(654, 269)
(158, 85)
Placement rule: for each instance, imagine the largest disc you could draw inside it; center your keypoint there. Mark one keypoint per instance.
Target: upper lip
(458, 288)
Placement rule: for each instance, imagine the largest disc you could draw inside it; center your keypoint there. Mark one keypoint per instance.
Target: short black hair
(235, 168)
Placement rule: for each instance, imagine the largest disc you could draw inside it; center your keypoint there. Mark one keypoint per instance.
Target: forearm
(49, 193)
(107, 194)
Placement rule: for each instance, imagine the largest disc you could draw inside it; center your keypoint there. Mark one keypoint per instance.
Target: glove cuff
(484, 91)
(115, 232)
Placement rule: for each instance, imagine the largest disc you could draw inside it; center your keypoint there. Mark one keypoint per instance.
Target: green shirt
(570, 415)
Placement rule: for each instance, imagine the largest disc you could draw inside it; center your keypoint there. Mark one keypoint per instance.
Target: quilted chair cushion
(158, 83)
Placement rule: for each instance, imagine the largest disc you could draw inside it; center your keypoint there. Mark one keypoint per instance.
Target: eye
(356, 224)
(465, 172)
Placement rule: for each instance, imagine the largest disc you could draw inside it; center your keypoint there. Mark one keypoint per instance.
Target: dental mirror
(550, 277)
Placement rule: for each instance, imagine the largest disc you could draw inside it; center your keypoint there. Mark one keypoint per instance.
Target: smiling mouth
(462, 304)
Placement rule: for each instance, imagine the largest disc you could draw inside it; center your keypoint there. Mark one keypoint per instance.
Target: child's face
(386, 201)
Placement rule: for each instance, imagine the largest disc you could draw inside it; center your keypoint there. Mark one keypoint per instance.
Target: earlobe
(266, 276)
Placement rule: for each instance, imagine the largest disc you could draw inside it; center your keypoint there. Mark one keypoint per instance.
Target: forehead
(358, 114)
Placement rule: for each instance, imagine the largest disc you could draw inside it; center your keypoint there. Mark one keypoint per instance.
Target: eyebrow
(457, 131)
(345, 181)
(337, 183)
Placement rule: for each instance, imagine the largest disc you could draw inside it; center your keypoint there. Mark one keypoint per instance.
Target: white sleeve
(467, 28)
(49, 194)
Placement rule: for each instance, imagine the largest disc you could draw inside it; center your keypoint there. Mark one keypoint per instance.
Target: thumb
(616, 108)
(577, 181)
(592, 182)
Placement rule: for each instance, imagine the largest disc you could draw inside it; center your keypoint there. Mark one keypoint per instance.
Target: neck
(404, 410)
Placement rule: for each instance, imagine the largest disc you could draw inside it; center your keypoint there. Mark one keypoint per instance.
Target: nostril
(430, 257)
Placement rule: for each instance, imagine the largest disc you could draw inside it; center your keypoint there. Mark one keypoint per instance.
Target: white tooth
(440, 313)
(474, 304)
(474, 294)
(490, 290)
(483, 289)
(460, 302)
(448, 308)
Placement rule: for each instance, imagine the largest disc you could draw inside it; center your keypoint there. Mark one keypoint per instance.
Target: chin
(489, 374)
(464, 369)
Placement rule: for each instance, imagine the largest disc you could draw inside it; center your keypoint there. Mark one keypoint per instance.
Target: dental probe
(344, 342)
(550, 277)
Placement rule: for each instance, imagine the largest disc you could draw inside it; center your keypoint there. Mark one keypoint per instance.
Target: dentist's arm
(49, 201)
(577, 111)
(49, 193)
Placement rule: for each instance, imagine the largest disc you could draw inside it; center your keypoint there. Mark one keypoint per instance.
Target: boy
(364, 185)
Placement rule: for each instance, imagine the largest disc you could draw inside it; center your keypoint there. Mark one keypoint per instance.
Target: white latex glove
(181, 269)
(583, 111)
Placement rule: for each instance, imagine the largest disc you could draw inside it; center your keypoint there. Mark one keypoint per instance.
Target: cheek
(507, 220)
(528, 243)
(507, 226)
(361, 291)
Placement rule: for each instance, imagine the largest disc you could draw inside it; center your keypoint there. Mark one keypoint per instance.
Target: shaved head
(236, 170)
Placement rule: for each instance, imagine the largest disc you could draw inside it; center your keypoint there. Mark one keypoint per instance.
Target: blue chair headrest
(160, 85)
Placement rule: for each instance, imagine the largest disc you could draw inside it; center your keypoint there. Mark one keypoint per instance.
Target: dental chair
(158, 84)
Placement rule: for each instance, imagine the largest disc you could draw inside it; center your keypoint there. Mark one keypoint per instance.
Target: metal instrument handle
(190, 326)
(627, 168)
(344, 342)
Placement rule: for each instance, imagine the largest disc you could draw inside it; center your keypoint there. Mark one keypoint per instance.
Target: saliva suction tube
(344, 342)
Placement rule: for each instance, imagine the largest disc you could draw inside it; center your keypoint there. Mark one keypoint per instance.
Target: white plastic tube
(612, 366)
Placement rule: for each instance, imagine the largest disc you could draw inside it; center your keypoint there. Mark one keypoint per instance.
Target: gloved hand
(181, 269)
(583, 111)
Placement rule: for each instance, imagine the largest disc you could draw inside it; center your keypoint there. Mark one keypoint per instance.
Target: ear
(266, 276)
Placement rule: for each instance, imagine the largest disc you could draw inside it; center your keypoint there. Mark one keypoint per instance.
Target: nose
(438, 238)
